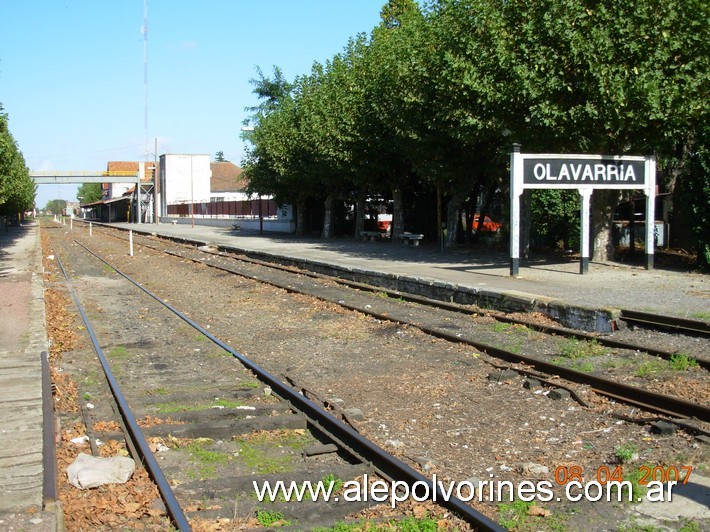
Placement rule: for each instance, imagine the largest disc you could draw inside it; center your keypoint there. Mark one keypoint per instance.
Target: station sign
(585, 173)
(576, 172)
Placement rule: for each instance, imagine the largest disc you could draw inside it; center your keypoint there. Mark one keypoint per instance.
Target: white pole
(130, 242)
(516, 189)
(71, 223)
(584, 229)
(650, 209)
(90, 228)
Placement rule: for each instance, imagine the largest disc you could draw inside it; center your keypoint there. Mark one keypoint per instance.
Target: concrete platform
(23, 337)
(554, 287)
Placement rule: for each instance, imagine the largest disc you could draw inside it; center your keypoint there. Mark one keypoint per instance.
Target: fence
(227, 209)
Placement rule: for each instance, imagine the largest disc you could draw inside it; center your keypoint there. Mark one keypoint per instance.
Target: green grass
(408, 524)
(682, 362)
(200, 337)
(204, 460)
(701, 315)
(197, 449)
(577, 365)
(249, 385)
(626, 452)
(574, 348)
(500, 326)
(638, 492)
(253, 456)
(689, 526)
(268, 518)
(257, 459)
(513, 515)
(332, 480)
(650, 368)
(119, 353)
(175, 406)
(158, 391)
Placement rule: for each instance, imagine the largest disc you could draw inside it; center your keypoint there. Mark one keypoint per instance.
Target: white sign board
(584, 173)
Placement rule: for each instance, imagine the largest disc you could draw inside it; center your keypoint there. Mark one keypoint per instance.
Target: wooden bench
(371, 235)
(410, 238)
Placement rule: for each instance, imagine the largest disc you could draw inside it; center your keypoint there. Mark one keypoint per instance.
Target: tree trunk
(602, 206)
(397, 212)
(360, 213)
(525, 222)
(300, 218)
(453, 215)
(329, 215)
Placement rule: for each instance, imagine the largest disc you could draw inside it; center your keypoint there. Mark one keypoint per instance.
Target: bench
(371, 235)
(410, 238)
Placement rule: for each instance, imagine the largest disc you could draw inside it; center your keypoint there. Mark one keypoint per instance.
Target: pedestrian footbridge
(56, 177)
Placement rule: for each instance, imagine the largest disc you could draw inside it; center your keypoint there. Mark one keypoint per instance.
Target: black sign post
(584, 173)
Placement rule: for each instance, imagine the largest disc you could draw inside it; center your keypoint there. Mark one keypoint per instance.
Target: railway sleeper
(227, 497)
(225, 414)
(227, 428)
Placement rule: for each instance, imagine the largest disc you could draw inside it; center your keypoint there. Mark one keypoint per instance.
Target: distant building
(116, 190)
(118, 203)
(184, 180)
(227, 183)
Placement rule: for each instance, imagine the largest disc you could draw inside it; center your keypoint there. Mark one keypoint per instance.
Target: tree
(89, 193)
(17, 190)
(432, 100)
(219, 157)
(56, 206)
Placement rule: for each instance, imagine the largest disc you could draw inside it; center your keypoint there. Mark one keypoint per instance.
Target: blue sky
(72, 72)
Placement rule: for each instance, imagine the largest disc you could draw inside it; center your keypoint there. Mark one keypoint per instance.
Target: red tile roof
(226, 177)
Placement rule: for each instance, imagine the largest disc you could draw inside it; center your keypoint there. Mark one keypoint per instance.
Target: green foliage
(513, 515)
(17, 190)
(331, 480)
(574, 348)
(422, 104)
(682, 362)
(695, 191)
(625, 453)
(555, 218)
(56, 206)
(647, 369)
(89, 193)
(271, 518)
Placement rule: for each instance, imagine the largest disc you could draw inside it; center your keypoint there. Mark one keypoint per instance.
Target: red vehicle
(489, 226)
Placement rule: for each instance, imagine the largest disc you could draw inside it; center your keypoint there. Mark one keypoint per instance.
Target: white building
(184, 178)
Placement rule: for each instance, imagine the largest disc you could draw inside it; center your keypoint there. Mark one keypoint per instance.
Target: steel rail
(691, 325)
(667, 322)
(664, 404)
(366, 450)
(49, 449)
(652, 401)
(171, 504)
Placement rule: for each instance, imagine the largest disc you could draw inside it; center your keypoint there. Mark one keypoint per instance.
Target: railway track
(447, 327)
(655, 321)
(207, 429)
(477, 406)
